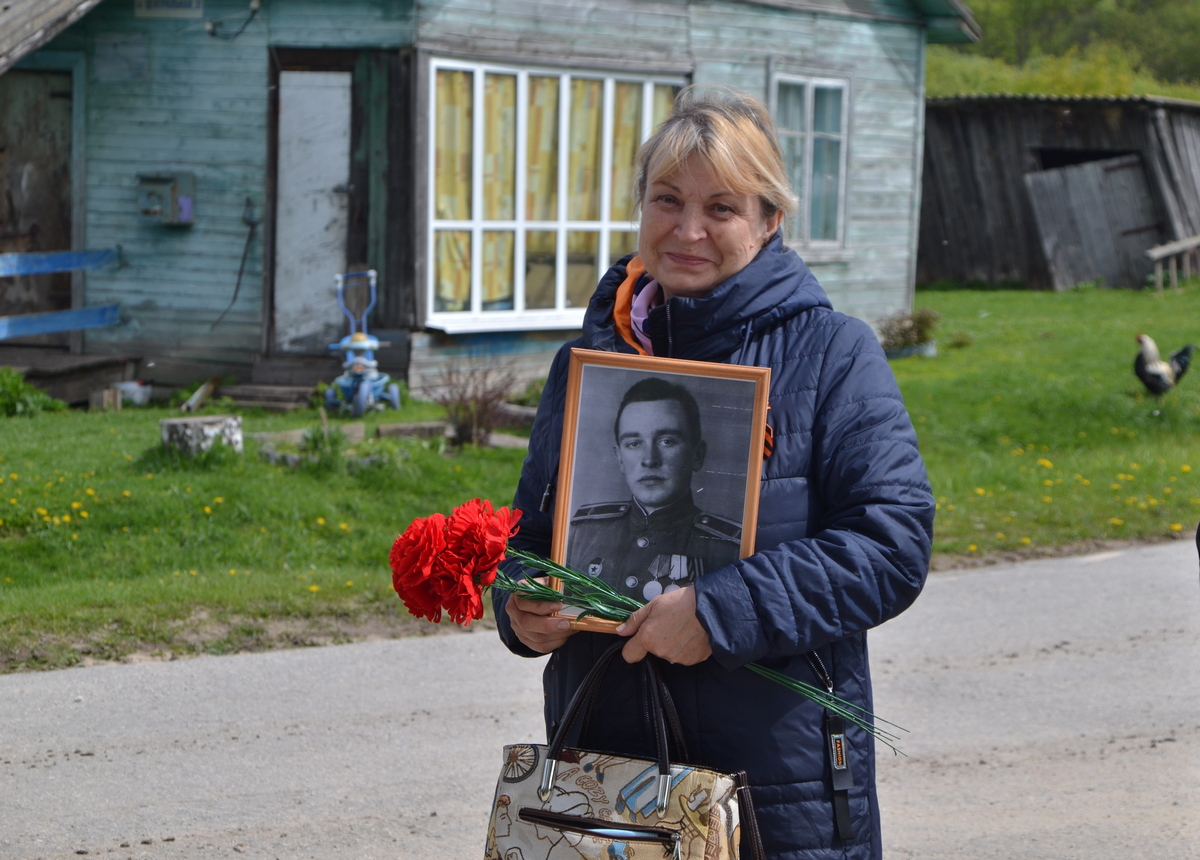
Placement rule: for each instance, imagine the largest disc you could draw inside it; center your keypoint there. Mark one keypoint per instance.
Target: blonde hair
(733, 132)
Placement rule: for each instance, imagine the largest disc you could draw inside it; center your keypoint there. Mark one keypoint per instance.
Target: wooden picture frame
(653, 492)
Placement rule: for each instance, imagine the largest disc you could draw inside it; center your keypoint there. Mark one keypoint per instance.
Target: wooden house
(476, 153)
(1055, 191)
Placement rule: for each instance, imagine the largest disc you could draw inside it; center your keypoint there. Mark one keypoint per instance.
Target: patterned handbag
(556, 802)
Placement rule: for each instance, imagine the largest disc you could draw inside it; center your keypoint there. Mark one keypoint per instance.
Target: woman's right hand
(534, 625)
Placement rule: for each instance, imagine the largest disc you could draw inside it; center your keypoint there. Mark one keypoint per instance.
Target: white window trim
(520, 319)
(810, 82)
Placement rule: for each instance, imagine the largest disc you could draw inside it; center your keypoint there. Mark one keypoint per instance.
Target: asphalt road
(1055, 709)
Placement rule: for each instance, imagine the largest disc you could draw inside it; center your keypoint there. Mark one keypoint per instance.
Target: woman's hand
(667, 627)
(533, 624)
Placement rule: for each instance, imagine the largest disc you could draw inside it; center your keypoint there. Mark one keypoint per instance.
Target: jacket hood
(774, 286)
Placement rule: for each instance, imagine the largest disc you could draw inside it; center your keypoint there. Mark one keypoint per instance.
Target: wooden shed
(476, 153)
(1055, 191)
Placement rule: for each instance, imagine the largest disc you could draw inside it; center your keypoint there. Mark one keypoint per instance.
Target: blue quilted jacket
(844, 531)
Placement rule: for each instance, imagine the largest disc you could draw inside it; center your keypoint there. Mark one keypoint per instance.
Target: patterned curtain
(452, 189)
(627, 133)
(499, 189)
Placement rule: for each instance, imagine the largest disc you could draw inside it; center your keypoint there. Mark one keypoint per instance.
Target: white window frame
(519, 318)
(799, 236)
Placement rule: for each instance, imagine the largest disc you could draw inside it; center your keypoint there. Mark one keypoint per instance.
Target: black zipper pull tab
(544, 507)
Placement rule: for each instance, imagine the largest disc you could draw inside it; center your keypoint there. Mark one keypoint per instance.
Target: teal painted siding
(195, 103)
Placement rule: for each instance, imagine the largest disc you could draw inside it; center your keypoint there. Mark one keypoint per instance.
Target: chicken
(1157, 375)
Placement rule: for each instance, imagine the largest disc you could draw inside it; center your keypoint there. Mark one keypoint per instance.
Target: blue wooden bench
(24, 325)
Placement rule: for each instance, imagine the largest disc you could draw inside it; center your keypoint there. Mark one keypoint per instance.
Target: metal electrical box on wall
(167, 198)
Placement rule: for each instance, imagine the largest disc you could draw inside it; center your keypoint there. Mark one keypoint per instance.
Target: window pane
(541, 156)
(583, 253)
(453, 288)
(499, 247)
(793, 163)
(823, 209)
(620, 243)
(789, 107)
(453, 131)
(541, 247)
(500, 147)
(627, 133)
(583, 178)
(827, 109)
(664, 98)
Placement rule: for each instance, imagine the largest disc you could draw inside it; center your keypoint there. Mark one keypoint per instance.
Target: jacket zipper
(818, 667)
(617, 830)
(670, 336)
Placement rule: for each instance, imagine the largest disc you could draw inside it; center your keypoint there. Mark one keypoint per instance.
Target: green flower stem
(596, 597)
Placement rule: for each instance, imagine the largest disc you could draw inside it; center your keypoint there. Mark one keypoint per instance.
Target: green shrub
(18, 397)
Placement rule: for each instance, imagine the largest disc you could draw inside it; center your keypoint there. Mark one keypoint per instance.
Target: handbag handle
(584, 700)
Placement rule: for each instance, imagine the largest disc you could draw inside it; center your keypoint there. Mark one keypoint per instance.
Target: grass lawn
(1037, 436)
(108, 546)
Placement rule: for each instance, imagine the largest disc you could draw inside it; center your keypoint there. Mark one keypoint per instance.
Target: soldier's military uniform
(642, 554)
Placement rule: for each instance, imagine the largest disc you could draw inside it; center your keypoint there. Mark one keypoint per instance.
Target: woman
(845, 511)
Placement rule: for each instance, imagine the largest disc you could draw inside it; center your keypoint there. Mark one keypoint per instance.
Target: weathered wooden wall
(162, 95)
(976, 221)
(740, 44)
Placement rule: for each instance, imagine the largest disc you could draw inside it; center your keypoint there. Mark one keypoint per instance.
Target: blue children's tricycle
(361, 386)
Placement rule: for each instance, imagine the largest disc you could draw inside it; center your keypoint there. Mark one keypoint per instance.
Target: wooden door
(1096, 221)
(35, 188)
(312, 208)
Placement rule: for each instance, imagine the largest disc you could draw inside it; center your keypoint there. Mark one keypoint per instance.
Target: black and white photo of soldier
(654, 537)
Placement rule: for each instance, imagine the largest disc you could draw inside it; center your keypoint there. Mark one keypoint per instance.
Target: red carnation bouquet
(446, 564)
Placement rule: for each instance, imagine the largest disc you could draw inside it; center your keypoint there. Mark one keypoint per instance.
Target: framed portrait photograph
(659, 476)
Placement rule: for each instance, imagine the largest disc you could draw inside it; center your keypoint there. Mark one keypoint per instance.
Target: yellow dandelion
(320, 521)
(1086, 482)
(1044, 463)
(1047, 499)
(66, 518)
(949, 507)
(220, 500)
(1082, 435)
(233, 571)
(262, 529)
(1173, 479)
(128, 457)
(17, 477)
(1134, 466)
(1115, 487)
(149, 475)
(77, 505)
(57, 521)
(124, 528)
(1116, 521)
(1114, 431)
(972, 548)
(83, 514)
(1026, 540)
(1047, 483)
(1166, 489)
(979, 491)
(1176, 527)
(344, 527)
(314, 588)
(12, 501)
(349, 583)
(207, 509)
(191, 573)
(42, 511)
(937, 506)
(999, 535)
(90, 491)
(187, 489)
(1185, 468)
(75, 537)
(126, 493)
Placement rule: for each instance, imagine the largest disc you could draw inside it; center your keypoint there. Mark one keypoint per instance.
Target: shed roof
(946, 21)
(995, 98)
(26, 25)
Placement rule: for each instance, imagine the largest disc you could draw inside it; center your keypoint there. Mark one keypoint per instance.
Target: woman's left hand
(667, 627)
